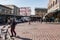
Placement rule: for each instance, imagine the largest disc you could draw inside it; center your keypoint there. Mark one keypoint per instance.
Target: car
(18, 21)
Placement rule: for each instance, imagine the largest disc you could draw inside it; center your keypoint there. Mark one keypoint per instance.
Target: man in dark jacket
(13, 25)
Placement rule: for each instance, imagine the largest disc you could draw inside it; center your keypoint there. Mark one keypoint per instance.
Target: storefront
(55, 15)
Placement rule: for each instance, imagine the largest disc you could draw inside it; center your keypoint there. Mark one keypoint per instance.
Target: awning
(55, 11)
(52, 12)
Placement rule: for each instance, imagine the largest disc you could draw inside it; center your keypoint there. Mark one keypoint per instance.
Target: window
(3, 10)
(0, 9)
(53, 3)
(56, 1)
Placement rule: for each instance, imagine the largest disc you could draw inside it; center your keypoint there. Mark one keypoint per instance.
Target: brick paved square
(37, 31)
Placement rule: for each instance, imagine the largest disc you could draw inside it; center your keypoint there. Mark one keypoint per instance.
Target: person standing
(9, 21)
(29, 20)
(13, 25)
(41, 20)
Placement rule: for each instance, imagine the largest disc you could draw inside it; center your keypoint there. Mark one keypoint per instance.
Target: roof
(5, 6)
(40, 8)
(11, 5)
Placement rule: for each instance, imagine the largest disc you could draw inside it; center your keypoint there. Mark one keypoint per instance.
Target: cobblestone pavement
(37, 31)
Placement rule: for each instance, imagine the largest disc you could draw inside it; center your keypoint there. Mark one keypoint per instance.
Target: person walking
(13, 25)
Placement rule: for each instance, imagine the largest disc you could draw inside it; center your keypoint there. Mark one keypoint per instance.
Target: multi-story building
(5, 10)
(25, 11)
(40, 12)
(15, 10)
(53, 9)
(53, 5)
(4, 13)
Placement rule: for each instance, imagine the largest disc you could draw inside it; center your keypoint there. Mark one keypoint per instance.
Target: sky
(26, 3)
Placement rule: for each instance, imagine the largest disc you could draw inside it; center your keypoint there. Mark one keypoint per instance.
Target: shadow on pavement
(23, 38)
(12, 38)
(2, 24)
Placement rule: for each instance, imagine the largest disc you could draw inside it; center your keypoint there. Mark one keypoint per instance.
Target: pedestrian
(13, 25)
(29, 22)
(8, 21)
(41, 20)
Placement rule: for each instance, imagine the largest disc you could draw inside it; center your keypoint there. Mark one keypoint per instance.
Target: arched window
(56, 1)
(53, 3)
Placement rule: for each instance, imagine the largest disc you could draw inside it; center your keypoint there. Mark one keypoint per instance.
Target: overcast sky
(26, 3)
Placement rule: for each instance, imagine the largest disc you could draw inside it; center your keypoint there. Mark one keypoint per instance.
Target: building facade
(5, 10)
(53, 5)
(53, 9)
(25, 11)
(15, 10)
(4, 13)
(40, 12)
